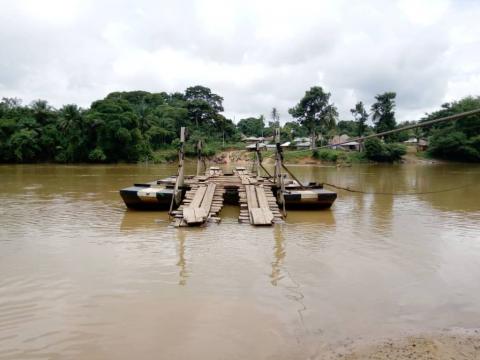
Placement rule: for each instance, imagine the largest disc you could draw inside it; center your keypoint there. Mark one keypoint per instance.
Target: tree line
(124, 126)
(132, 126)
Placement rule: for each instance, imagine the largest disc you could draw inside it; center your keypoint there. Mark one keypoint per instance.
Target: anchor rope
(399, 193)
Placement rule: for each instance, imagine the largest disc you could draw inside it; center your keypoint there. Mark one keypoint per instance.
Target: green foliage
(376, 150)
(455, 145)
(138, 125)
(357, 157)
(348, 127)
(124, 126)
(383, 114)
(361, 116)
(292, 130)
(203, 105)
(165, 155)
(24, 144)
(408, 134)
(97, 155)
(251, 126)
(327, 154)
(315, 112)
(459, 140)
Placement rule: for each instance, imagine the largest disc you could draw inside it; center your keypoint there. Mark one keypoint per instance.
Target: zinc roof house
(253, 139)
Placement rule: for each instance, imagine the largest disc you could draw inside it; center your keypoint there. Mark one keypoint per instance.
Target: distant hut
(338, 139)
(411, 141)
(301, 143)
(252, 147)
(422, 145)
(253, 139)
(351, 145)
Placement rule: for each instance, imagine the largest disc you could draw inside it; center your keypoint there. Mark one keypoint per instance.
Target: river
(81, 277)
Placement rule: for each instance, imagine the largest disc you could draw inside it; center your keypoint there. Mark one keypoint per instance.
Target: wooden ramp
(197, 205)
(258, 206)
(203, 202)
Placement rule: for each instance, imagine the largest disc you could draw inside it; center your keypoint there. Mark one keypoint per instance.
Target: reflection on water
(183, 275)
(278, 256)
(82, 277)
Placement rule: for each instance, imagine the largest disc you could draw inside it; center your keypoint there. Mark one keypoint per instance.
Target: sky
(257, 54)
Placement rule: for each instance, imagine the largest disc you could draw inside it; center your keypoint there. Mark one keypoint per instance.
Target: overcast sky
(256, 54)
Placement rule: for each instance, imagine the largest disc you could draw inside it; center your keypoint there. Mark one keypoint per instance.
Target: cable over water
(398, 193)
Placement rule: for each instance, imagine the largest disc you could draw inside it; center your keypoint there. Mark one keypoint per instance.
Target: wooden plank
(262, 198)
(258, 209)
(194, 215)
(199, 194)
(261, 216)
(267, 215)
(207, 199)
(251, 197)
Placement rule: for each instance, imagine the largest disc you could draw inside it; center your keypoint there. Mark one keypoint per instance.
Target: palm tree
(70, 118)
(275, 117)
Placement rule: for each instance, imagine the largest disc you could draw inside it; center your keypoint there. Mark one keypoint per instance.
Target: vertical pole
(199, 156)
(179, 182)
(279, 178)
(256, 162)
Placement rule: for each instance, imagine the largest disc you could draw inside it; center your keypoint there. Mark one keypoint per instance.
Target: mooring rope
(399, 193)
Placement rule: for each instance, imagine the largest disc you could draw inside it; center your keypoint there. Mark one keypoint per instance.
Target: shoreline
(454, 343)
(243, 157)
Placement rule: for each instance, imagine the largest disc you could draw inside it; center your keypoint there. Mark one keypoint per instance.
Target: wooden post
(279, 180)
(256, 162)
(199, 156)
(179, 182)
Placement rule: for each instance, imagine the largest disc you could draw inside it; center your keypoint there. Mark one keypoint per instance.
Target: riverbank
(449, 344)
(320, 157)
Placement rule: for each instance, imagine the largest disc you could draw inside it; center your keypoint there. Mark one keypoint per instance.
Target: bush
(449, 144)
(377, 151)
(165, 155)
(396, 151)
(329, 155)
(357, 157)
(97, 155)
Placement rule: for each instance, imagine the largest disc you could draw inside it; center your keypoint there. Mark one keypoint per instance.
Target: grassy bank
(210, 150)
(237, 153)
(319, 156)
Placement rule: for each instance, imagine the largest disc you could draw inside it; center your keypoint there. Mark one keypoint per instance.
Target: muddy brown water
(81, 277)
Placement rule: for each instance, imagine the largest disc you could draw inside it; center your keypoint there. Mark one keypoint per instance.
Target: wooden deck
(205, 199)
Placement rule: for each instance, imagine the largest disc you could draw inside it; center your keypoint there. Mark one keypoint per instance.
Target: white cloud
(424, 12)
(256, 54)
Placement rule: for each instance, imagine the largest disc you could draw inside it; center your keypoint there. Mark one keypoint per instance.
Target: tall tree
(42, 112)
(251, 126)
(315, 112)
(73, 134)
(202, 104)
(275, 117)
(383, 113)
(361, 116)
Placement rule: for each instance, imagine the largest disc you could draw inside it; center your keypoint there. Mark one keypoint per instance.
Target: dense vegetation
(458, 140)
(125, 126)
(138, 125)
(376, 150)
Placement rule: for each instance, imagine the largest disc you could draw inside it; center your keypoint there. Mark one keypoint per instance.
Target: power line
(408, 127)
(400, 193)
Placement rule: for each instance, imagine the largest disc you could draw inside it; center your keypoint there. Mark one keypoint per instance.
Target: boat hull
(304, 199)
(147, 198)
